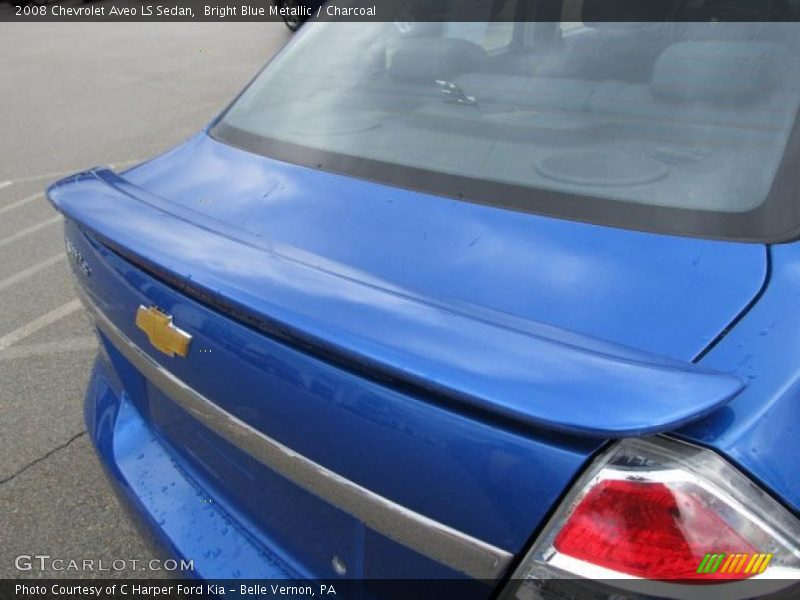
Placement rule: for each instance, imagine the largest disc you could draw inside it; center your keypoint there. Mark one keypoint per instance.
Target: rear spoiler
(486, 361)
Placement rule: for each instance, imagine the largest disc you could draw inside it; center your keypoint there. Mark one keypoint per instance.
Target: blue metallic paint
(760, 429)
(656, 293)
(375, 436)
(346, 247)
(173, 508)
(518, 369)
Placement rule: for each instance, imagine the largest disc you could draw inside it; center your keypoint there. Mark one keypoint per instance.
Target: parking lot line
(30, 271)
(19, 203)
(32, 229)
(4, 184)
(33, 326)
(74, 344)
(53, 175)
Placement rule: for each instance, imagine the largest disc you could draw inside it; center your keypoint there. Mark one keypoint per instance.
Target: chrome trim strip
(432, 539)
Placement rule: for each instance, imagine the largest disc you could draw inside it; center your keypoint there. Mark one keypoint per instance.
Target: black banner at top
(586, 11)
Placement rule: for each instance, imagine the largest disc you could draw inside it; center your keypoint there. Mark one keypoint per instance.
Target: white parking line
(115, 165)
(32, 229)
(19, 203)
(74, 344)
(126, 163)
(43, 176)
(4, 184)
(31, 271)
(33, 326)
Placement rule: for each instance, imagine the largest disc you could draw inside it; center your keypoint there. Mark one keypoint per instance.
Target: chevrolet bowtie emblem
(163, 335)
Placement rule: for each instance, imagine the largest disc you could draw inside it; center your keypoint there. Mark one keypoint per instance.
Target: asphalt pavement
(74, 96)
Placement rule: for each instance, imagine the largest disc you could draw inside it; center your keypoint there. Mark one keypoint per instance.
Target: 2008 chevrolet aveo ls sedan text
(512, 302)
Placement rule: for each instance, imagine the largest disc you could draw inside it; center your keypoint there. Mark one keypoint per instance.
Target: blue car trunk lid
(394, 336)
(486, 360)
(663, 294)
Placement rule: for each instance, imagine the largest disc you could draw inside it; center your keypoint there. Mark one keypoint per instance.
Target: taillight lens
(647, 529)
(656, 518)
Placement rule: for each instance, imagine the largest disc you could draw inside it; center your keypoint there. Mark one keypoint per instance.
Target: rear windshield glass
(678, 127)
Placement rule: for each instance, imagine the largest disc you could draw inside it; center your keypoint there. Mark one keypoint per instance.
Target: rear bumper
(176, 513)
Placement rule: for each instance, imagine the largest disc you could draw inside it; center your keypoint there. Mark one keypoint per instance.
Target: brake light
(648, 529)
(657, 517)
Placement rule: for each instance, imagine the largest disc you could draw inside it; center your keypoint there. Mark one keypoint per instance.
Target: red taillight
(661, 518)
(647, 529)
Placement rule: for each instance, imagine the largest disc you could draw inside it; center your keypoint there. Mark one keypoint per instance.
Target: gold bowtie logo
(163, 335)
